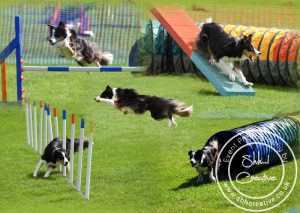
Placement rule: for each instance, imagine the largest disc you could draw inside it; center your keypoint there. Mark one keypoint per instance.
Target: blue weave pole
(262, 141)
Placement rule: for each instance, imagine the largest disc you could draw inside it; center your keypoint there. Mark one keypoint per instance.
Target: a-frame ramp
(184, 31)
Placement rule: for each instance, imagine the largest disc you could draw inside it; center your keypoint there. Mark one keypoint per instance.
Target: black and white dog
(226, 51)
(54, 154)
(79, 49)
(205, 159)
(129, 100)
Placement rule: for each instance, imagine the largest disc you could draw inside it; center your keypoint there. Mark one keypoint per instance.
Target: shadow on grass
(208, 93)
(191, 183)
(41, 174)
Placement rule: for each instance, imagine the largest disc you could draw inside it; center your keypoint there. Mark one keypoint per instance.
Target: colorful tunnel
(277, 65)
(264, 141)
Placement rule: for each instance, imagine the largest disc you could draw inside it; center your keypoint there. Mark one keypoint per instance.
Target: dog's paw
(246, 83)
(212, 178)
(200, 179)
(34, 175)
(212, 61)
(232, 77)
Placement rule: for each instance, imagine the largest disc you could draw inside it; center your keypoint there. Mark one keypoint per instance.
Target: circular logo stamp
(252, 183)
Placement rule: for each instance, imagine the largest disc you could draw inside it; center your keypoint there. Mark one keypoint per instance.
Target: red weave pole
(73, 119)
(54, 112)
(4, 81)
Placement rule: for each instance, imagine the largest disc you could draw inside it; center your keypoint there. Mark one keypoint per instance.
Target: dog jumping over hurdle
(54, 154)
(77, 48)
(225, 51)
(128, 100)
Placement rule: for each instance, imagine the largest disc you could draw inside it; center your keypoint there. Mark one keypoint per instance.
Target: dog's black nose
(51, 42)
(66, 163)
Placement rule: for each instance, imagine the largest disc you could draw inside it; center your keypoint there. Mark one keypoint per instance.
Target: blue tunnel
(257, 146)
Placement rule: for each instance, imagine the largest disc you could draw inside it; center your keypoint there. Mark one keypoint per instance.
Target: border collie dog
(79, 49)
(226, 51)
(129, 100)
(54, 154)
(205, 159)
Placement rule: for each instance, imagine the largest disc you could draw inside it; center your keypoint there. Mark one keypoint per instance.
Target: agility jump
(36, 140)
(16, 44)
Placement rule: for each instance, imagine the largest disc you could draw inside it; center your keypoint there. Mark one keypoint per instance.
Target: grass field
(139, 165)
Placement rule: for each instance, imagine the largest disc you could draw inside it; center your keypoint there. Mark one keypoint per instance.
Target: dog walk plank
(184, 31)
(220, 81)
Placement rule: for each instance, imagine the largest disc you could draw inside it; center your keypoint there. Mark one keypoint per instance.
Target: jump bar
(81, 69)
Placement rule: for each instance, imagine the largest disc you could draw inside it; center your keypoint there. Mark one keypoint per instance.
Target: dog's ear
(249, 39)
(244, 38)
(61, 24)
(108, 87)
(190, 152)
(74, 34)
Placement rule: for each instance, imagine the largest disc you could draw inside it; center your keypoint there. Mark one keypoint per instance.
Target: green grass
(139, 165)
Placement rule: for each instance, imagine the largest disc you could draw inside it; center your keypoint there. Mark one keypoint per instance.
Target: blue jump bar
(83, 69)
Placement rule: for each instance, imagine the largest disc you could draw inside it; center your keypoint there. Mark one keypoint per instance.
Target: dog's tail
(104, 58)
(182, 110)
(77, 143)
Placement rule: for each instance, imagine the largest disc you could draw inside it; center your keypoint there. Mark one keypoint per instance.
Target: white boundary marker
(39, 146)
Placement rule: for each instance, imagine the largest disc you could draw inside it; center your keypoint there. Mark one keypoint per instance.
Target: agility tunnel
(277, 65)
(263, 141)
(39, 133)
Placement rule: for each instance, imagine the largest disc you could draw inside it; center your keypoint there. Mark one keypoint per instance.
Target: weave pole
(27, 121)
(55, 123)
(30, 123)
(78, 187)
(89, 163)
(50, 134)
(41, 129)
(71, 179)
(37, 145)
(35, 142)
(45, 126)
(64, 137)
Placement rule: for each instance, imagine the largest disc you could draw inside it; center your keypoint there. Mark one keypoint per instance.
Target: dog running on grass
(127, 100)
(54, 154)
